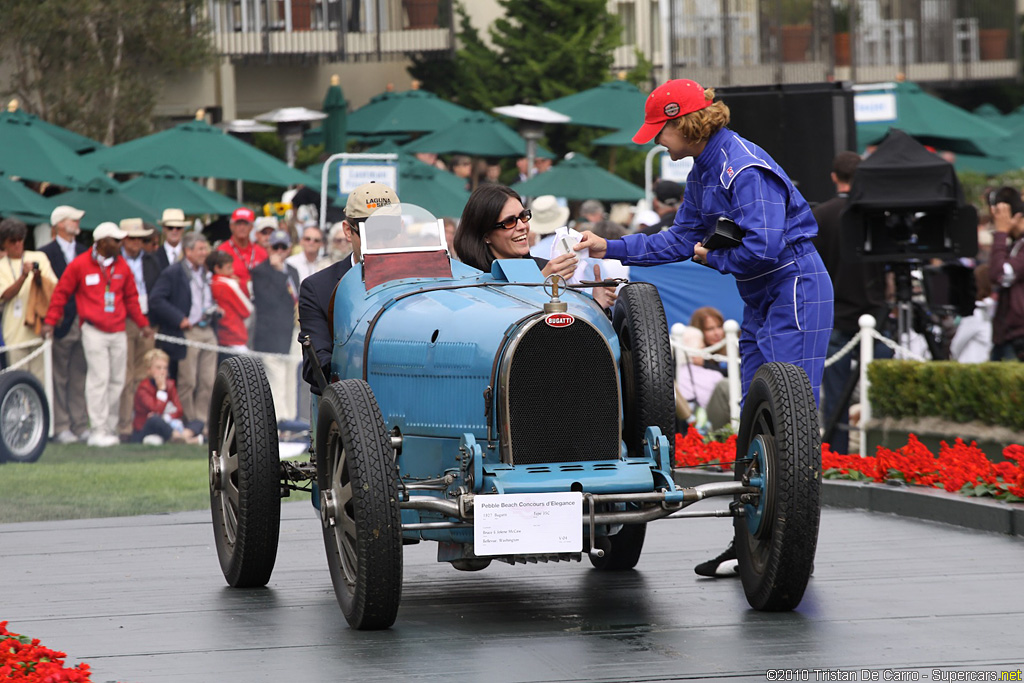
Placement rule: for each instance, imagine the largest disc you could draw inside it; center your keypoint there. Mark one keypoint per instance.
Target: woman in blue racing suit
(786, 291)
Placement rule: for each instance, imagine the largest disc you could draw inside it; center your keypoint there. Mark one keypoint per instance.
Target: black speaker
(803, 126)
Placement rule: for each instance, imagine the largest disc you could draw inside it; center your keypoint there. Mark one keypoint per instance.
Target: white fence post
(732, 352)
(676, 338)
(48, 378)
(867, 354)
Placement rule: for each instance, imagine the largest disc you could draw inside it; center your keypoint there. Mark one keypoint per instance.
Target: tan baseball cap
(108, 229)
(62, 213)
(367, 198)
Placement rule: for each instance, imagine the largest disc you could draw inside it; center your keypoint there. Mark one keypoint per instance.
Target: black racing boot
(710, 568)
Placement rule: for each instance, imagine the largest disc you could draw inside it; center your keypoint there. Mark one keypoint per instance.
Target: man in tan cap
(70, 419)
(316, 290)
(104, 290)
(174, 224)
(145, 270)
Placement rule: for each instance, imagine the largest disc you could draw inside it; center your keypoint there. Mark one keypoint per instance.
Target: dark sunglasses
(174, 227)
(279, 247)
(512, 221)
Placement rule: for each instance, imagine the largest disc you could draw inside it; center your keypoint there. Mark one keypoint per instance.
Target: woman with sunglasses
(495, 225)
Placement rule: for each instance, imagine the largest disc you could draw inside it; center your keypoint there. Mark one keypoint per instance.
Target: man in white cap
(316, 291)
(145, 270)
(173, 224)
(105, 294)
(70, 419)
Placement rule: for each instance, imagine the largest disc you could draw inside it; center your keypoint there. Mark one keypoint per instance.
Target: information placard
(352, 175)
(528, 524)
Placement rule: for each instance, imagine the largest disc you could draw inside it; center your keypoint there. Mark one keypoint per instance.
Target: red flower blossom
(958, 467)
(24, 660)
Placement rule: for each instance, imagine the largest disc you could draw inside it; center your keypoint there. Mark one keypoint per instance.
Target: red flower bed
(962, 468)
(24, 660)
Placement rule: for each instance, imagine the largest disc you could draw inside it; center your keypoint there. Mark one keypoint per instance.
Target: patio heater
(291, 122)
(243, 130)
(531, 124)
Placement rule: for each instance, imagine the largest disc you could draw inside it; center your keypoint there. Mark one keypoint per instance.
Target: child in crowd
(158, 414)
(235, 306)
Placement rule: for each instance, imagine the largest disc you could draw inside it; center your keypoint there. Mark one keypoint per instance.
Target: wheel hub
(216, 468)
(755, 506)
(328, 510)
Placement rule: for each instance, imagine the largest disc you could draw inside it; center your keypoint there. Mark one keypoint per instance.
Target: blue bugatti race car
(505, 418)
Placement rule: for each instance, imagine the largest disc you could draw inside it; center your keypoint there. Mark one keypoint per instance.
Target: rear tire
(778, 449)
(359, 510)
(24, 417)
(646, 368)
(245, 478)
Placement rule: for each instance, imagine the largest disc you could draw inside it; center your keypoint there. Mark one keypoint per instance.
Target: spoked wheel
(24, 417)
(362, 522)
(245, 479)
(621, 551)
(648, 398)
(779, 452)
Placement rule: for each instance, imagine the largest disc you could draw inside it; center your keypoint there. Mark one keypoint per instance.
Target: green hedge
(992, 393)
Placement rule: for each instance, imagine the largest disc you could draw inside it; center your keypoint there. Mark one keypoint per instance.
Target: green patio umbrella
(411, 111)
(198, 150)
(28, 151)
(932, 122)
(614, 104)
(335, 126)
(989, 112)
(580, 178)
(475, 134)
(103, 201)
(165, 188)
(17, 201)
(79, 144)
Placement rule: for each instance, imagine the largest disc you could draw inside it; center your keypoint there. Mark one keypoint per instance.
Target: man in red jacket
(105, 294)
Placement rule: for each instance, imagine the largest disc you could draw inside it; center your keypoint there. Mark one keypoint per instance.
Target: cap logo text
(671, 109)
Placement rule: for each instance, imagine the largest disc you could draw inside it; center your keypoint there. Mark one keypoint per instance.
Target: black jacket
(57, 262)
(275, 307)
(314, 313)
(169, 302)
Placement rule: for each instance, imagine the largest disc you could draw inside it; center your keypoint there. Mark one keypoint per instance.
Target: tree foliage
(542, 50)
(94, 66)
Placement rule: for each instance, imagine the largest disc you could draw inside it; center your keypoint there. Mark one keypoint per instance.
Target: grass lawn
(74, 482)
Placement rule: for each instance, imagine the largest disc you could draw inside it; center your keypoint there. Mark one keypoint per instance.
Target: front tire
(621, 551)
(24, 417)
(359, 510)
(778, 450)
(646, 368)
(245, 479)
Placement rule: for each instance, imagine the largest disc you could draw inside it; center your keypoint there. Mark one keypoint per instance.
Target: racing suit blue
(786, 291)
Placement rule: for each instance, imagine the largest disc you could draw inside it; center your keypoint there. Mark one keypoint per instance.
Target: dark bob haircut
(481, 215)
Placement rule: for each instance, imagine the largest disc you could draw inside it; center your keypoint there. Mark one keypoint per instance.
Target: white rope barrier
(44, 346)
(843, 351)
(22, 345)
(224, 349)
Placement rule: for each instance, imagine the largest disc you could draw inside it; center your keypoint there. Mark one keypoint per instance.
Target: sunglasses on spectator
(278, 247)
(510, 222)
(174, 227)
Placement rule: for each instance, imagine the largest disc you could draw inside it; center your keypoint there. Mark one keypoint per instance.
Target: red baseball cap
(243, 214)
(669, 101)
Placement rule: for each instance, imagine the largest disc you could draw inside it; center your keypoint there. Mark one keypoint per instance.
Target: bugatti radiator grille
(561, 396)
